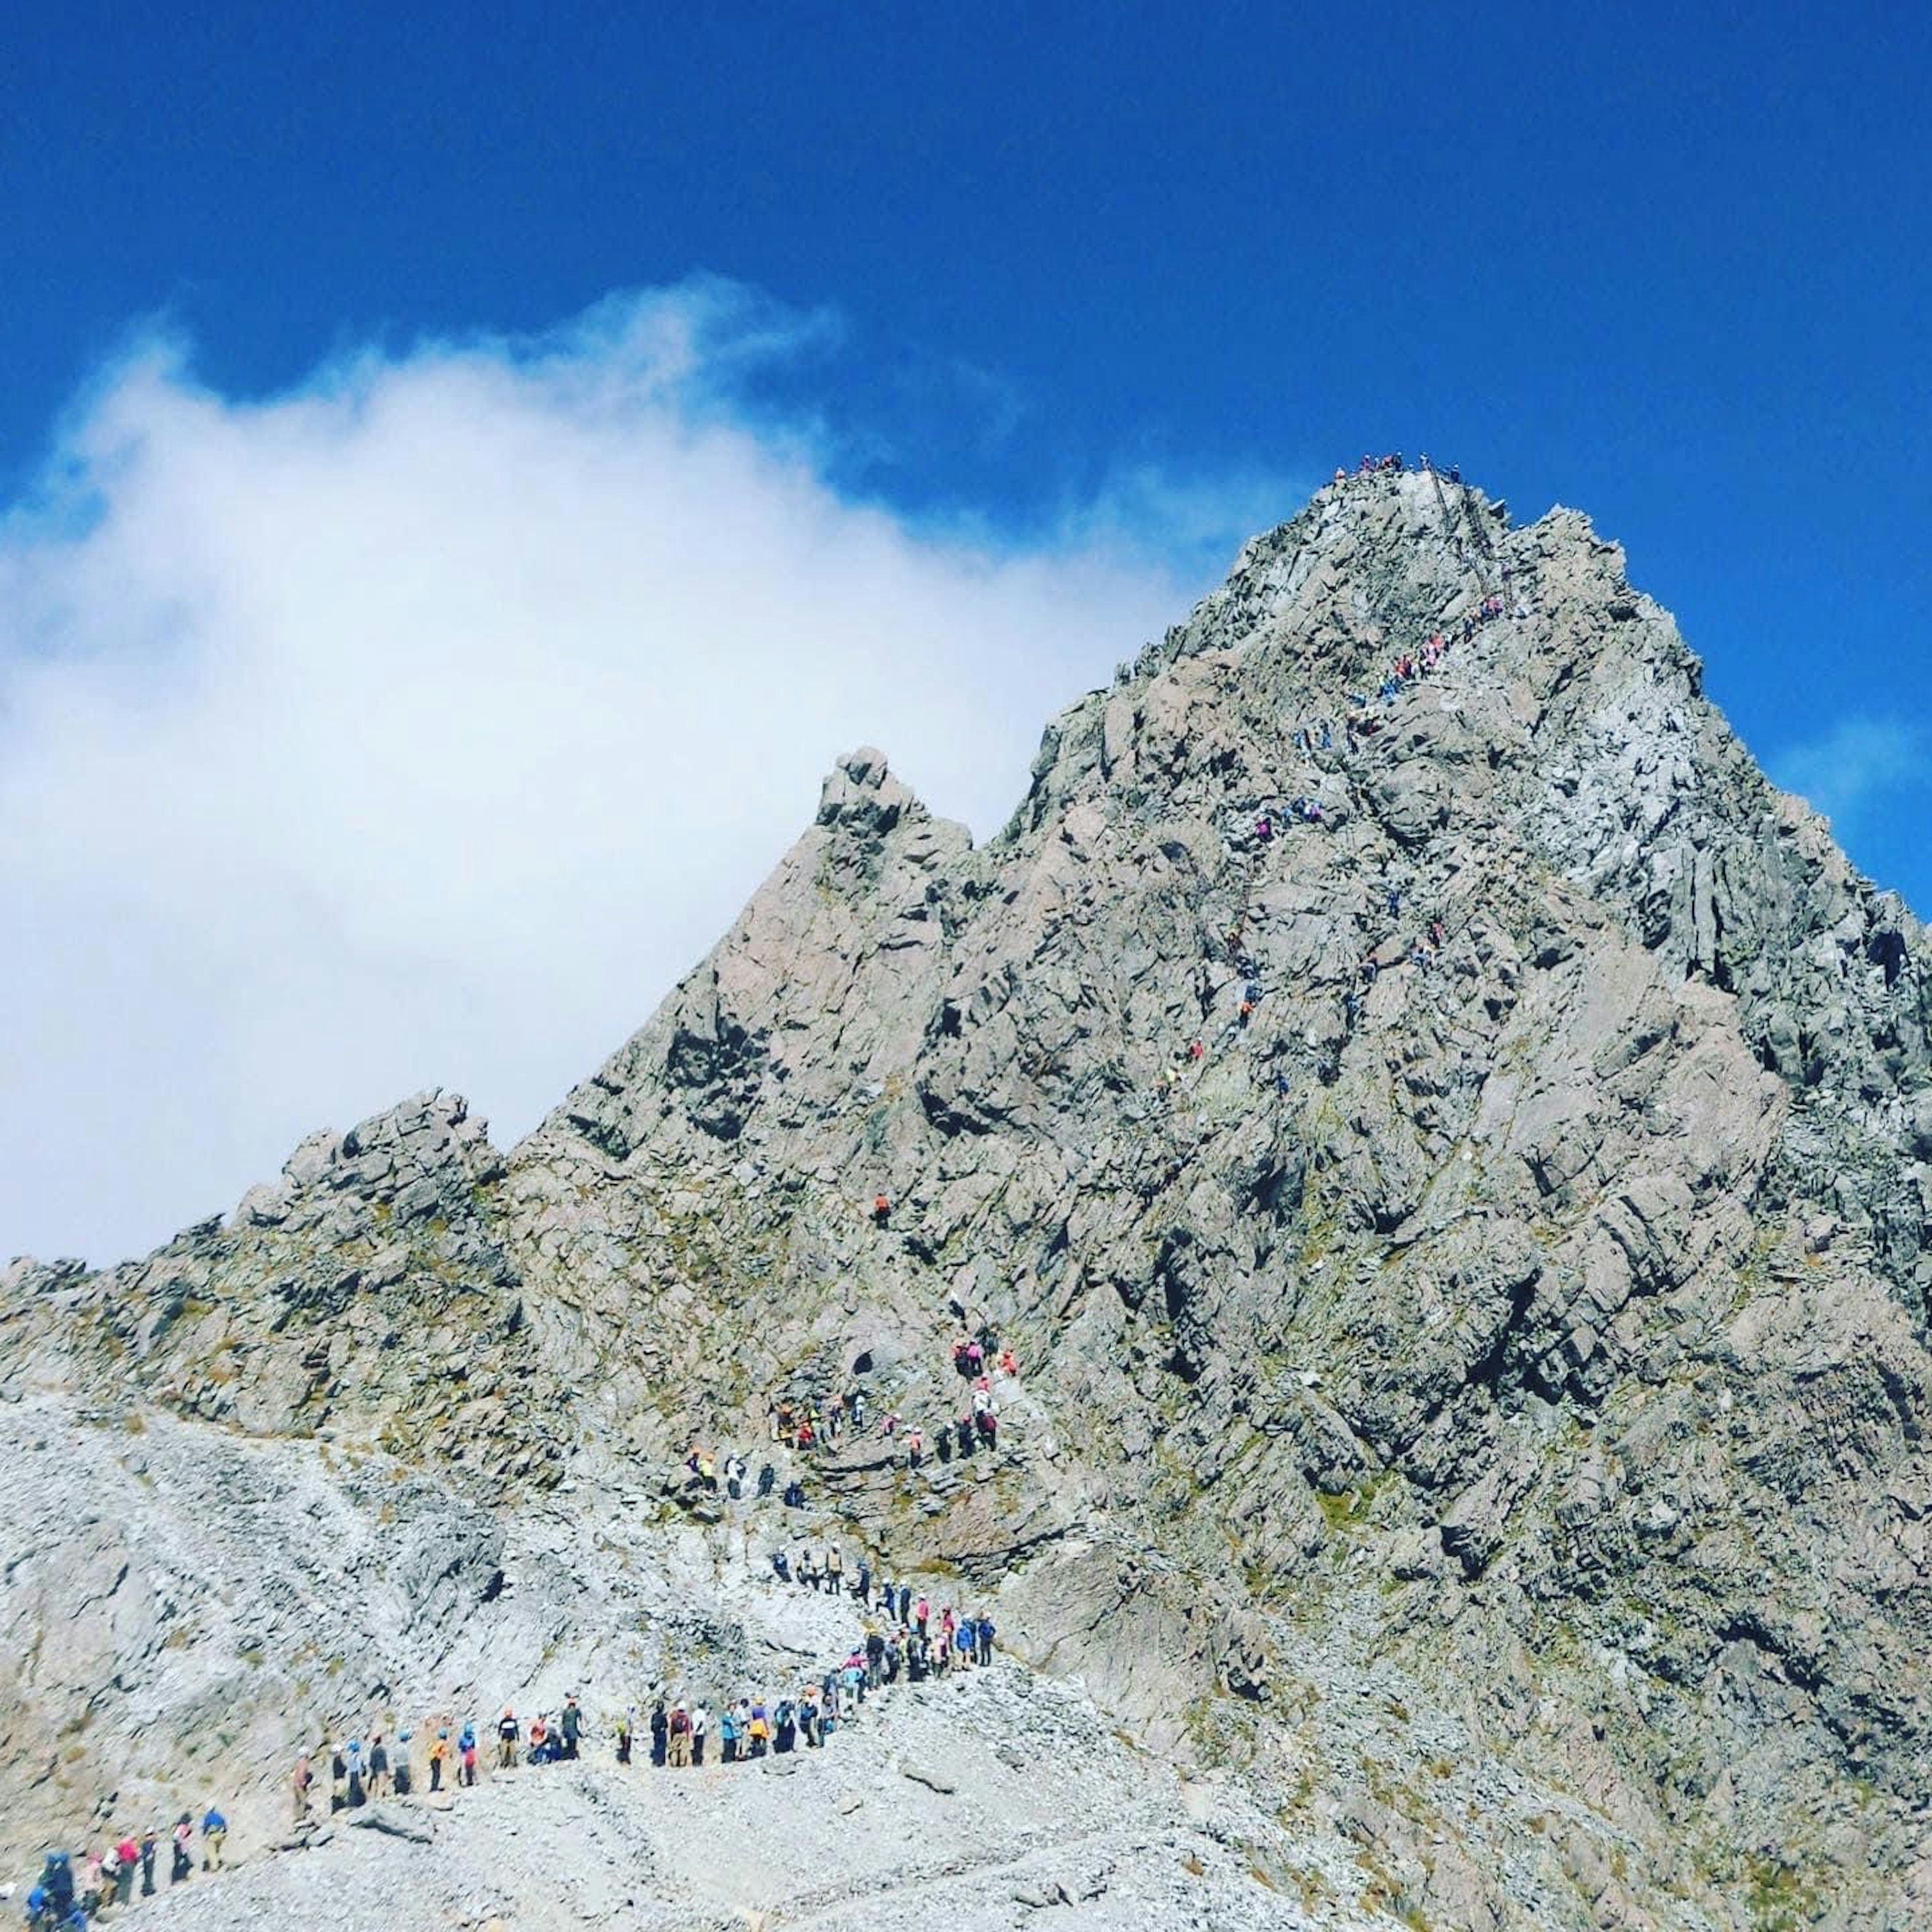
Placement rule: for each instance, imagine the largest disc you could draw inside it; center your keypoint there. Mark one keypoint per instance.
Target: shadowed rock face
(1537, 1323)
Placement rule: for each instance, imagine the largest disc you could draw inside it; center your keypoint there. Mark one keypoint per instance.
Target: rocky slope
(1475, 1405)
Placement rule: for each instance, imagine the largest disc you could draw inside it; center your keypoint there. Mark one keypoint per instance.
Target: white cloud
(1859, 763)
(420, 727)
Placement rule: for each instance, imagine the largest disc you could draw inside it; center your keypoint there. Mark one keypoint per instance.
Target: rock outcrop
(1454, 1166)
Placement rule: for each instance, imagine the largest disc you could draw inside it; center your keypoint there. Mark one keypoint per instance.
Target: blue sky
(1022, 295)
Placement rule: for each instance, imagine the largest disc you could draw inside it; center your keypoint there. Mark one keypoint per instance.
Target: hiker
(299, 1787)
(183, 1866)
(400, 1771)
(834, 1570)
(465, 1746)
(148, 1849)
(572, 1725)
(660, 1732)
(921, 1610)
(728, 1734)
(623, 1730)
(214, 1836)
(680, 1737)
(734, 1477)
(438, 1756)
(57, 1881)
(507, 1735)
(767, 1477)
(794, 1495)
(882, 1210)
(781, 1566)
(915, 1447)
(127, 1859)
(985, 1637)
(988, 1425)
(379, 1766)
(701, 1724)
(862, 1588)
(539, 1739)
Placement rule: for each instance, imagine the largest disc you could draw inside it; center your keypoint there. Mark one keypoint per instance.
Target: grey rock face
(1453, 1168)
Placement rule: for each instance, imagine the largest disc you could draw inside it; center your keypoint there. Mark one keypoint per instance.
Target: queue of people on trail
(75, 1890)
(978, 1426)
(1359, 721)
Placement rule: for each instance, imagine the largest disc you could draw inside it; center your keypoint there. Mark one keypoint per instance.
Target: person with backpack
(680, 1739)
(784, 1733)
(572, 1725)
(183, 1866)
(438, 1756)
(214, 1836)
(126, 1861)
(660, 1733)
(508, 1733)
(379, 1767)
(110, 1877)
(466, 1750)
(148, 1850)
(57, 1883)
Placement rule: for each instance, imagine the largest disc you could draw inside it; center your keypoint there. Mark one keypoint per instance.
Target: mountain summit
(1445, 1142)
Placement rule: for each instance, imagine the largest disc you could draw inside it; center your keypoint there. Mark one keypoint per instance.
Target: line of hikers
(74, 1890)
(979, 1424)
(1410, 667)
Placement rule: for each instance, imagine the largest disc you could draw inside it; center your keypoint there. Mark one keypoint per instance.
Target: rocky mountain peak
(1445, 1141)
